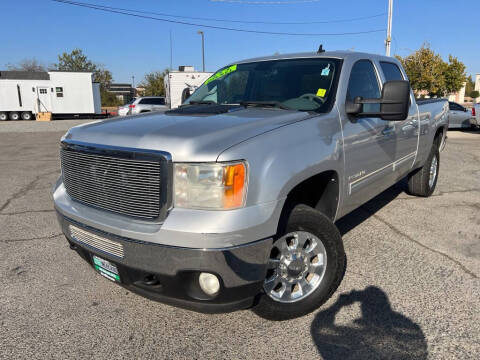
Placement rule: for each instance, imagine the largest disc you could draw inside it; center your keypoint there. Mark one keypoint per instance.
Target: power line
(125, 12)
(241, 21)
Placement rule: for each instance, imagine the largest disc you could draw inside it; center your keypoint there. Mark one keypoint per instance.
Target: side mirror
(394, 102)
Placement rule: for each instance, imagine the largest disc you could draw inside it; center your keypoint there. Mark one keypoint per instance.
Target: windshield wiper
(202, 102)
(277, 104)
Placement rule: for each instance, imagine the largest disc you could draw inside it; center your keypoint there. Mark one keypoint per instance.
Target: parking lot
(411, 288)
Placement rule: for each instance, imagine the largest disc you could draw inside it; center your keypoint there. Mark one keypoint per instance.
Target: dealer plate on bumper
(106, 268)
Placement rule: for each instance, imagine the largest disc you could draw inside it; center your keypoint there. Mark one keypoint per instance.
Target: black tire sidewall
(434, 153)
(305, 218)
(26, 113)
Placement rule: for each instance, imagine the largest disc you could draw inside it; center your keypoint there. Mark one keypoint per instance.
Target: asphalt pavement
(411, 288)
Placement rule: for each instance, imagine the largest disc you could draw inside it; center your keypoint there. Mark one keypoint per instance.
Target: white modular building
(24, 94)
(181, 83)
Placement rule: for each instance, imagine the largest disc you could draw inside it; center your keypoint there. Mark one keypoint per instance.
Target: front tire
(306, 266)
(422, 182)
(3, 116)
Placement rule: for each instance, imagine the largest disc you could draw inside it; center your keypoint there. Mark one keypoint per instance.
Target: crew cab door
(404, 132)
(369, 143)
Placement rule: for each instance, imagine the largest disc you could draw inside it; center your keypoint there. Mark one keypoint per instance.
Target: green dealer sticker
(221, 73)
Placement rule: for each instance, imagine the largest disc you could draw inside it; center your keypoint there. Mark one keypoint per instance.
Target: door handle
(388, 130)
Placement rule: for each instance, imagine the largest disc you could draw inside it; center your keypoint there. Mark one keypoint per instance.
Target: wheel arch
(320, 191)
(440, 136)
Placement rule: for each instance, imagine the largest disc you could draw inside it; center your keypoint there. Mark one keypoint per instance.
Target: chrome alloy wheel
(433, 171)
(296, 267)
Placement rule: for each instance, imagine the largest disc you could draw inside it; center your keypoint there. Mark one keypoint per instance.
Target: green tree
(78, 61)
(454, 75)
(474, 94)
(428, 72)
(153, 83)
(27, 65)
(109, 99)
(425, 70)
(469, 86)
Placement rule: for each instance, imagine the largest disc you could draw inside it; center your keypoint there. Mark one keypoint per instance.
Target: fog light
(209, 283)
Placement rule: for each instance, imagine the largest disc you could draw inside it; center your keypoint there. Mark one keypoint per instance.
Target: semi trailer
(24, 94)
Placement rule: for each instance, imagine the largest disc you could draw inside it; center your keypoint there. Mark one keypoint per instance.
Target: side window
(145, 102)
(391, 71)
(455, 106)
(364, 82)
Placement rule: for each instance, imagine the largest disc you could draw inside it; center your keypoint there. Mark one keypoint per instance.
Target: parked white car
(476, 115)
(142, 105)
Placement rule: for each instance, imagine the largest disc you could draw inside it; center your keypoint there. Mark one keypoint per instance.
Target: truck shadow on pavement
(358, 216)
(380, 333)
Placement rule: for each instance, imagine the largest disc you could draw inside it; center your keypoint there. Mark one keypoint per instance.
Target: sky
(131, 46)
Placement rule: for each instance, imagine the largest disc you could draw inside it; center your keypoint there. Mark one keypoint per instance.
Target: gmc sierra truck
(230, 200)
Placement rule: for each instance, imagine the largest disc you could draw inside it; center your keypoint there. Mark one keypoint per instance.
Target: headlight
(213, 186)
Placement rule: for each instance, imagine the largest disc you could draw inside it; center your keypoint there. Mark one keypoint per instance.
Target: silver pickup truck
(231, 199)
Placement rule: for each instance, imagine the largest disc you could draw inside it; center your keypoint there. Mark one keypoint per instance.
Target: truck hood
(186, 138)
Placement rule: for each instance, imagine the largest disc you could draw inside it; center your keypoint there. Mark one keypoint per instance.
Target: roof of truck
(338, 54)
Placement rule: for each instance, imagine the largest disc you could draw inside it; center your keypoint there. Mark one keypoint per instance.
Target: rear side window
(364, 82)
(391, 71)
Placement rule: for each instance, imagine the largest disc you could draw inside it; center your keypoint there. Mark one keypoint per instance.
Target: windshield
(297, 84)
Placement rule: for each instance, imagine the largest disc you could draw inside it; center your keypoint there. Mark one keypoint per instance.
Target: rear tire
(14, 116)
(422, 182)
(322, 237)
(26, 115)
(3, 116)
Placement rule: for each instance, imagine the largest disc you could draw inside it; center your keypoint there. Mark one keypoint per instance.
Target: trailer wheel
(26, 115)
(14, 115)
(3, 116)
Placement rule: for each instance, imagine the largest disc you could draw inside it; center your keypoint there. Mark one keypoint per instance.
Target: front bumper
(175, 270)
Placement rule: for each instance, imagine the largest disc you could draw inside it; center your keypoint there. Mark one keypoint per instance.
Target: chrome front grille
(127, 186)
(95, 241)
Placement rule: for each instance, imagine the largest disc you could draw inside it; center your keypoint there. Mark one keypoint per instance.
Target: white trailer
(180, 84)
(24, 94)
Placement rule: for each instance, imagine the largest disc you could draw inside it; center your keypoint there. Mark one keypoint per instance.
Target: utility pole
(203, 48)
(171, 50)
(388, 41)
(133, 86)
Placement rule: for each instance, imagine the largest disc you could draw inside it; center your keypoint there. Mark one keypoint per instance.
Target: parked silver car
(143, 104)
(458, 116)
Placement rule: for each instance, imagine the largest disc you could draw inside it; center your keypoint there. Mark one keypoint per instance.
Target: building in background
(477, 86)
(124, 92)
(139, 91)
(459, 96)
